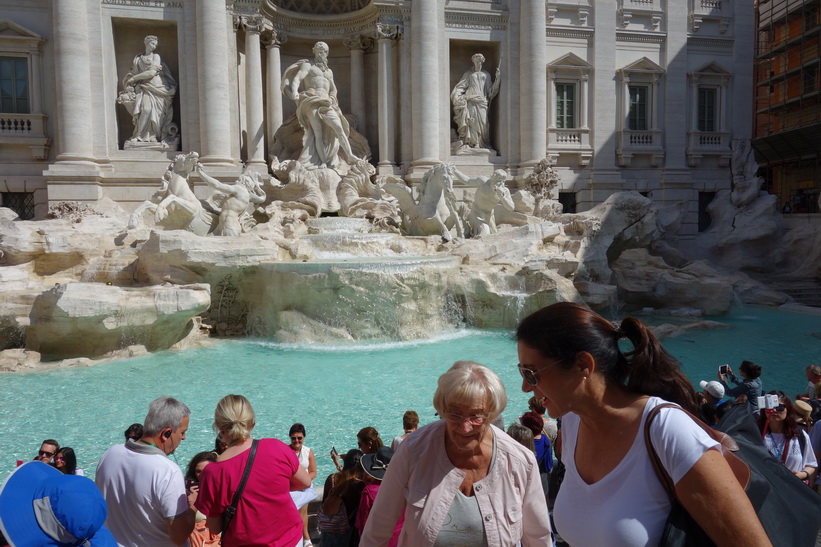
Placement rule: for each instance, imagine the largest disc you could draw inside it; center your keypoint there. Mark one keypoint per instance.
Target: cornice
(640, 37)
(334, 26)
(473, 20)
(710, 43)
(556, 31)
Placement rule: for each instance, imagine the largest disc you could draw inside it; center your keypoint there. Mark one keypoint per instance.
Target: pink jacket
(422, 482)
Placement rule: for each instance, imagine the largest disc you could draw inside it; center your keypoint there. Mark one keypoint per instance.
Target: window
(565, 106)
(14, 85)
(707, 109)
(704, 200)
(637, 115)
(21, 203)
(809, 80)
(568, 201)
(810, 17)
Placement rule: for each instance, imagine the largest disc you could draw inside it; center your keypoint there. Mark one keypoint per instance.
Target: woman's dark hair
(563, 330)
(750, 369)
(134, 432)
(351, 460)
(790, 424)
(351, 470)
(370, 436)
(297, 428)
(191, 470)
(70, 458)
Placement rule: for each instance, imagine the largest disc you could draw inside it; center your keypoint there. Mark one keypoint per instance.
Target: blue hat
(41, 506)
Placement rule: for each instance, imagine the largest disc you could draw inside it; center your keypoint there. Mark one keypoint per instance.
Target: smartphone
(724, 369)
(191, 482)
(333, 451)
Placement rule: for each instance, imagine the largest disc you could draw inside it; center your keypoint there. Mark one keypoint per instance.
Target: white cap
(713, 388)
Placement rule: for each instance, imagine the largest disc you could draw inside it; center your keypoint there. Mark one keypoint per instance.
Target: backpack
(789, 511)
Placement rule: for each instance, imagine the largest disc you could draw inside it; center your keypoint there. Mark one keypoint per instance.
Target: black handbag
(789, 511)
(231, 510)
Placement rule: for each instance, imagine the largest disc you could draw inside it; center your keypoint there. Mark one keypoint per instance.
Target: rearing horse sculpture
(435, 212)
(481, 220)
(174, 205)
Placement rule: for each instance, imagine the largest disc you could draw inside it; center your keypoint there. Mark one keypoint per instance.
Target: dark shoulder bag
(231, 510)
(789, 511)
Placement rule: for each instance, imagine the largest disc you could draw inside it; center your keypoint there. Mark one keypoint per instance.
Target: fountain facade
(428, 235)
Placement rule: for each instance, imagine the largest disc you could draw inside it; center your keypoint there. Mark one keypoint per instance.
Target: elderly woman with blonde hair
(461, 480)
(274, 472)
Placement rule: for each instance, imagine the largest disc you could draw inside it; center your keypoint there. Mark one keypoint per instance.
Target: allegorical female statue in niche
(148, 96)
(471, 99)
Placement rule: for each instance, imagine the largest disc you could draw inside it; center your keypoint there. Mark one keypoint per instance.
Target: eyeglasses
(475, 419)
(297, 438)
(530, 375)
(44, 453)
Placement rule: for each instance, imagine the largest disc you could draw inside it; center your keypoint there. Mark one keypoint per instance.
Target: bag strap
(740, 469)
(231, 510)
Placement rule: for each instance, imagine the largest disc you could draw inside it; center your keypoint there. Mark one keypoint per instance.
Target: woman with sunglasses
(66, 462)
(611, 495)
(461, 480)
(785, 440)
(307, 460)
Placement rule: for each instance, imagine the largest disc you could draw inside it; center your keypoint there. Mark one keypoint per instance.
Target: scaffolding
(787, 123)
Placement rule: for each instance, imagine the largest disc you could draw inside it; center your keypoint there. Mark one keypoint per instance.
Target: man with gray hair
(144, 490)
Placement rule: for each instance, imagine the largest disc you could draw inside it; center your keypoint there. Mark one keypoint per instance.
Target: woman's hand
(193, 492)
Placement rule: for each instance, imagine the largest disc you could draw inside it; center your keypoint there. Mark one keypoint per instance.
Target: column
(385, 35)
(214, 91)
(551, 98)
(532, 65)
(73, 81)
(585, 82)
(273, 39)
(357, 44)
(693, 103)
(425, 87)
(254, 117)
(35, 90)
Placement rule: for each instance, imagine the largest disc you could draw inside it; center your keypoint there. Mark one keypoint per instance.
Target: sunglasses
(297, 438)
(44, 453)
(779, 408)
(530, 375)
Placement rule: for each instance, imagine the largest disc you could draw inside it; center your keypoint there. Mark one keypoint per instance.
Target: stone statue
(148, 96)
(360, 197)
(236, 202)
(746, 182)
(435, 211)
(471, 99)
(311, 86)
(174, 205)
(480, 220)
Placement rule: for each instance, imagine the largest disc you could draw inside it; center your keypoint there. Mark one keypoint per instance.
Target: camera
(768, 402)
(724, 369)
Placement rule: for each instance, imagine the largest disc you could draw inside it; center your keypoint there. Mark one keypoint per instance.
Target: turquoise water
(336, 390)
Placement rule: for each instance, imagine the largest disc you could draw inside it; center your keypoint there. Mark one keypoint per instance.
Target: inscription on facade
(146, 3)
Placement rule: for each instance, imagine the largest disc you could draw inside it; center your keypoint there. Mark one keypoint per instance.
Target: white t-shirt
(796, 461)
(628, 506)
(143, 490)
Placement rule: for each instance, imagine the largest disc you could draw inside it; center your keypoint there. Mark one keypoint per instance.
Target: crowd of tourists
(613, 444)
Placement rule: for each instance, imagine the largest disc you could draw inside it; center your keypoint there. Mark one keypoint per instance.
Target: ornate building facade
(642, 95)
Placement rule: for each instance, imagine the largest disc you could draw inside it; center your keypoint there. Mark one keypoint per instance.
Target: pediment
(571, 60)
(643, 65)
(10, 29)
(712, 69)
